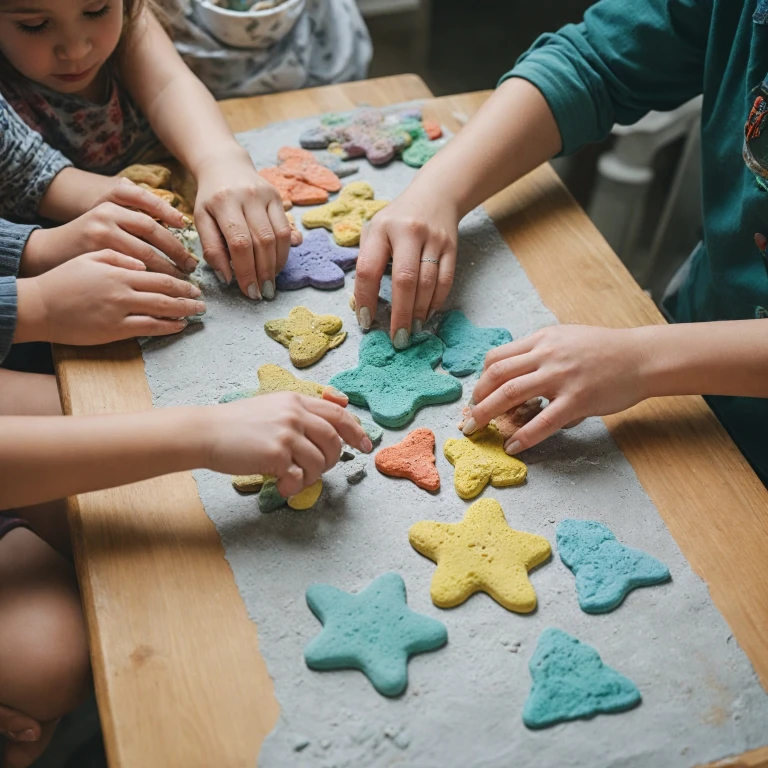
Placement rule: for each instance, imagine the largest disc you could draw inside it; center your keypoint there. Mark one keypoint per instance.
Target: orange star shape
(481, 554)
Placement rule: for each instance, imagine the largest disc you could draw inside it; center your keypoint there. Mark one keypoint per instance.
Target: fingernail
(416, 326)
(352, 302)
(470, 425)
(25, 735)
(431, 314)
(366, 446)
(336, 393)
(513, 447)
(186, 221)
(268, 290)
(402, 337)
(253, 292)
(191, 264)
(364, 318)
(194, 291)
(220, 275)
(199, 308)
(183, 323)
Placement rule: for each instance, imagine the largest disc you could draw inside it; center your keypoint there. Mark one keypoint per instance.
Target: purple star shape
(318, 262)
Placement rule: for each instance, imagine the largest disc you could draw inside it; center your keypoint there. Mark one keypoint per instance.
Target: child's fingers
(119, 260)
(291, 483)
(214, 246)
(324, 435)
(333, 395)
(264, 239)
(500, 373)
(552, 418)
(126, 243)
(148, 231)
(283, 234)
(308, 456)
(425, 290)
(375, 251)
(138, 325)
(445, 274)
(131, 195)
(342, 421)
(152, 282)
(509, 395)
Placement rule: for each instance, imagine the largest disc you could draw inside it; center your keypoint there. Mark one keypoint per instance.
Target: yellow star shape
(480, 459)
(345, 215)
(481, 554)
(308, 336)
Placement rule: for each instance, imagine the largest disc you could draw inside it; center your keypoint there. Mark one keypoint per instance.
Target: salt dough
(248, 483)
(344, 217)
(374, 631)
(421, 152)
(269, 497)
(306, 498)
(570, 681)
(466, 344)
(605, 570)
(317, 262)
(394, 384)
(481, 554)
(273, 378)
(412, 458)
(301, 164)
(306, 335)
(292, 189)
(372, 430)
(378, 135)
(479, 459)
(156, 176)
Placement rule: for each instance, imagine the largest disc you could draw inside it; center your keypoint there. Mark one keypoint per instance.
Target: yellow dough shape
(308, 336)
(345, 215)
(273, 378)
(248, 483)
(481, 554)
(480, 459)
(307, 497)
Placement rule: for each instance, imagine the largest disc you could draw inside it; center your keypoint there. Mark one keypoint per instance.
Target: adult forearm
(512, 133)
(720, 358)
(45, 458)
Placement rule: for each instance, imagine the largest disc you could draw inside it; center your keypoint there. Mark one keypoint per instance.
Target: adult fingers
(237, 233)
(264, 244)
(343, 421)
(509, 395)
(375, 251)
(552, 418)
(406, 253)
(131, 195)
(499, 374)
(151, 282)
(283, 239)
(333, 395)
(138, 325)
(150, 232)
(519, 347)
(158, 305)
(425, 290)
(214, 246)
(325, 437)
(445, 274)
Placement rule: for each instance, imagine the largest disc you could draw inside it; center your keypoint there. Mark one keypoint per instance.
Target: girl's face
(61, 44)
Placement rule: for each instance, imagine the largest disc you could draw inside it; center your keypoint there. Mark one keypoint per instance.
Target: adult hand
(420, 236)
(102, 297)
(111, 226)
(292, 437)
(583, 371)
(242, 224)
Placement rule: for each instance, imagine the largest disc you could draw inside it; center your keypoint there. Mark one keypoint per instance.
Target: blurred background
(641, 187)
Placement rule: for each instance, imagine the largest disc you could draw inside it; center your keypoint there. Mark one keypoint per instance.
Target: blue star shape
(466, 344)
(605, 570)
(393, 384)
(374, 631)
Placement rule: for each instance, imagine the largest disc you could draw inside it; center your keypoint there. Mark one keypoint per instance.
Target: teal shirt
(629, 57)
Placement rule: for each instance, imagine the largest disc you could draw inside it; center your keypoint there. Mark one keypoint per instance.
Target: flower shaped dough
(346, 215)
(317, 262)
(306, 335)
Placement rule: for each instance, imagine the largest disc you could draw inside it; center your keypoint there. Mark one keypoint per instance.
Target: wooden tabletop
(179, 678)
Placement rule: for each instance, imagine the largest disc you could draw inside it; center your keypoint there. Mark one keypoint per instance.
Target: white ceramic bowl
(249, 29)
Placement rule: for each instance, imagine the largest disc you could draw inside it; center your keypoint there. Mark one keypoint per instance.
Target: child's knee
(44, 662)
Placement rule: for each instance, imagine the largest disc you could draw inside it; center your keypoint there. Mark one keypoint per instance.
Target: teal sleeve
(626, 58)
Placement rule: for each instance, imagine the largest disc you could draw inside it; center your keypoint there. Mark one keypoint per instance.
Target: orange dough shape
(292, 189)
(412, 458)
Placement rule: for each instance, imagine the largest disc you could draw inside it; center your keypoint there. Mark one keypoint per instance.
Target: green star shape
(466, 344)
(374, 631)
(393, 384)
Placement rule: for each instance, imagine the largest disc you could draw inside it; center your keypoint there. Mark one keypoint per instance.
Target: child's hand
(420, 236)
(583, 371)
(124, 192)
(109, 226)
(292, 437)
(102, 297)
(242, 224)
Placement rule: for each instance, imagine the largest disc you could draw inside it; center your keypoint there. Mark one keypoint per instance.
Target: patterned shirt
(102, 138)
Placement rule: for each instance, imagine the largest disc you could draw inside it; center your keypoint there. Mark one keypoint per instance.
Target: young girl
(101, 81)
(569, 89)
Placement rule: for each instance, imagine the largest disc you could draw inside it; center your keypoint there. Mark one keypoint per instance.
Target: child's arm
(239, 216)
(585, 371)
(570, 89)
(292, 437)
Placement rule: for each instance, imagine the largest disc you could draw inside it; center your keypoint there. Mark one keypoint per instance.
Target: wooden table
(179, 679)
